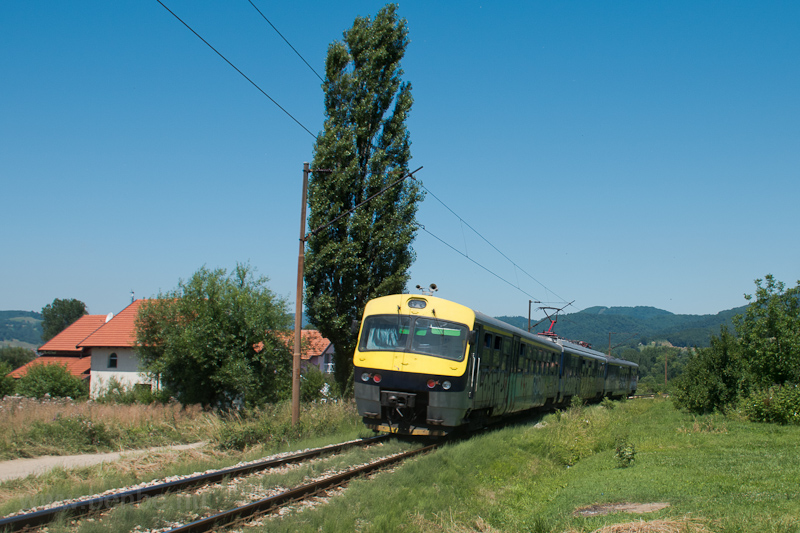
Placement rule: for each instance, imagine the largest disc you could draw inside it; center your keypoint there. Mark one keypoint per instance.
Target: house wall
(127, 372)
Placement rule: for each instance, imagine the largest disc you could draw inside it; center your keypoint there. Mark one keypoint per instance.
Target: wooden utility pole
(298, 310)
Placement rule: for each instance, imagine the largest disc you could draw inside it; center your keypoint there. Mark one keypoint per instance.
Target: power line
(495, 274)
(254, 84)
(286, 40)
(516, 266)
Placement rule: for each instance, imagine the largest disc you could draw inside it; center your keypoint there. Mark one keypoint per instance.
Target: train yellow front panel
(415, 325)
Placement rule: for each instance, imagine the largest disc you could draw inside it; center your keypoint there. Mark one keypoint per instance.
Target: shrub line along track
(80, 508)
(255, 509)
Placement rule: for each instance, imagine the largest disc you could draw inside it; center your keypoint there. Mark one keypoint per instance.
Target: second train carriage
(426, 366)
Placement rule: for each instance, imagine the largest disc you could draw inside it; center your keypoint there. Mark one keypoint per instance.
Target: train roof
(562, 344)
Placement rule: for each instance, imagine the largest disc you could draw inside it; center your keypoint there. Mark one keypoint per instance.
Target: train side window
(498, 342)
(487, 340)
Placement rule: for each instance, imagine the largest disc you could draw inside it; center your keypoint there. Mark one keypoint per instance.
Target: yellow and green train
(428, 366)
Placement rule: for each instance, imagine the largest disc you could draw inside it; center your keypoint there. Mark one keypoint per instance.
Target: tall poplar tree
(365, 145)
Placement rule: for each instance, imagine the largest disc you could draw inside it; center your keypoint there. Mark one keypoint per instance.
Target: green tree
(16, 356)
(60, 314)
(713, 377)
(769, 332)
(52, 379)
(365, 143)
(216, 339)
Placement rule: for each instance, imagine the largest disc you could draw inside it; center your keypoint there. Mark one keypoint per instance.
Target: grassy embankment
(717, 473)
(720, 474)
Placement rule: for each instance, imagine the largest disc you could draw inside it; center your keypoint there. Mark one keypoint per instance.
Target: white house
(113, 351)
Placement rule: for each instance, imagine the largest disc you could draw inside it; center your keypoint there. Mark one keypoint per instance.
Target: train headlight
(432, 383)
(377, 378)
(446, 385)
(365, 376)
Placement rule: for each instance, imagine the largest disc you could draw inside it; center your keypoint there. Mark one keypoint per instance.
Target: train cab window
(487, 340)
(385, 333)
(439, 338)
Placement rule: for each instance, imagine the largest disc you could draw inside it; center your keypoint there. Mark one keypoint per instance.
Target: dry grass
(686, 525)
(80, 426)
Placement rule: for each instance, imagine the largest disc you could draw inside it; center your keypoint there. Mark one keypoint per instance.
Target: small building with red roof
(113, 353)
(314, 349)
(63, 350)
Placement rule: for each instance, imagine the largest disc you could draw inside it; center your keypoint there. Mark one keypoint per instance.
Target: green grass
(727, 474)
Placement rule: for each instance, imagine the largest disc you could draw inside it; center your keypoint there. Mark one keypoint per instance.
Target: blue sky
(619, 153)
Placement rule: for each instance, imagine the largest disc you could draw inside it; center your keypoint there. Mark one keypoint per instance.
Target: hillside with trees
(632, 326)
(21, 328)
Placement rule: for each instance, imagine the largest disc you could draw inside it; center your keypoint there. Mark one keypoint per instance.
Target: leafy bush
(273, 424)
(76, 433)
(7, 384)
(625, 452)
(315, 386)
(52, 379)
(712, 378)
(116, 392)
(779, 404)
(16, 356)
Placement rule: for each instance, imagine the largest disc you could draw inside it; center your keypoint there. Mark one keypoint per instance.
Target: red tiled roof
(67, 340)
(77, 366)
(120, 331)
(312, 343)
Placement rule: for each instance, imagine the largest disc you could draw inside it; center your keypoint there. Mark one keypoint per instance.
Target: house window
(112, 360)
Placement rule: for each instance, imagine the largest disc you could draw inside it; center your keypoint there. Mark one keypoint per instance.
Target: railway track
(36, 519)
(253, 510)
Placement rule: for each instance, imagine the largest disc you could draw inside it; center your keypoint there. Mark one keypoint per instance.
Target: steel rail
(45, 516)
(241, 514)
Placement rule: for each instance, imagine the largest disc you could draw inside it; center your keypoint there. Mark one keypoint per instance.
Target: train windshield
(422, 335)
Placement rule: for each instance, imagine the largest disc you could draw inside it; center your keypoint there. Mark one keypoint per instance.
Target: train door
(513, 375)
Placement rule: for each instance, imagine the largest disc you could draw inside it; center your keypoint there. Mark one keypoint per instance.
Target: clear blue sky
(620, 153)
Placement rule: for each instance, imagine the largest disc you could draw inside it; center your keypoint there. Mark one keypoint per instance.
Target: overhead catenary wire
(286, 40)
(254, 84)
(516, 266)
(464, 222)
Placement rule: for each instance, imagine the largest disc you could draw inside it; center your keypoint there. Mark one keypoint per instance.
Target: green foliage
(712, 378)
(52, 379)
(7, 384)
(754, 367)
(769, 332)
(74, 433)
(272, 424)
(624, 452)
(60, 314)
(16, 356)
(367, 252)
(116, 393)
(314, 385)
(779, 404)
(215, 340)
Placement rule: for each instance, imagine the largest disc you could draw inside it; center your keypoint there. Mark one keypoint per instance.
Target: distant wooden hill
(21, 328)
(639, 324)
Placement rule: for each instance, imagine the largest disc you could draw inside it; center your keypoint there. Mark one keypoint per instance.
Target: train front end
(411, 365)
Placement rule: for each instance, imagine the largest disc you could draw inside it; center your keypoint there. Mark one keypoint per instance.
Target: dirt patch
(656, 526)
(608, 508)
